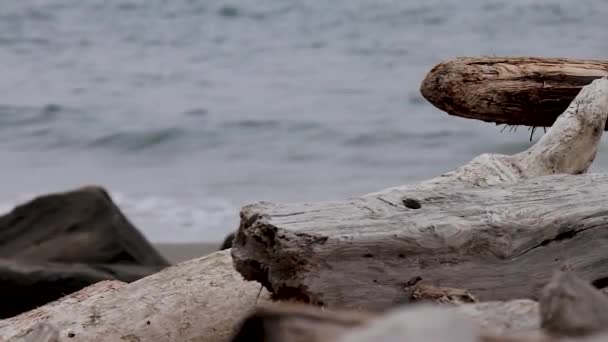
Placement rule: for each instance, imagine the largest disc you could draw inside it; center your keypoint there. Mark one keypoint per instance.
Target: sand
(186, 251)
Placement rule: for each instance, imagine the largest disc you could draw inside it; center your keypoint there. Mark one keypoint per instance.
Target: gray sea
(185, 110)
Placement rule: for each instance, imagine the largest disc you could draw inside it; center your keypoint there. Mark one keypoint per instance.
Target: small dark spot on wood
(411, 203)
(562, 236)
(375, 280)
(413, 281)
(401, 256)
(320, 303)
(368, 255)
(71, 335)
(148, 322)
(297, 294)
(600, 283)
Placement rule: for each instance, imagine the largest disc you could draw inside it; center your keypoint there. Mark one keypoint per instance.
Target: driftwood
(305, 323)
(281, 322)
(198, 300)
(452, 231)
(426, 323)
(570, 306)
(495, 228)
(509, 90)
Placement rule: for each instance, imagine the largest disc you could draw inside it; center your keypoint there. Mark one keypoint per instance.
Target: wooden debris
(289, 322)
(198, 300)
(570, 306)
(305, 323)
(509, 90)
(461, 233)
(442, 295)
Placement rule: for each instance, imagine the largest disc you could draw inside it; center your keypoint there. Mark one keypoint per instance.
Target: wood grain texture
(500, 242)
(199, 300)
(509, 90)
(498, 226)
(40, 332)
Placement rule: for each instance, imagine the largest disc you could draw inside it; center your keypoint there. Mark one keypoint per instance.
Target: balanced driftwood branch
(451, 231)
(569, 146)
(509, 90)
(199, 300)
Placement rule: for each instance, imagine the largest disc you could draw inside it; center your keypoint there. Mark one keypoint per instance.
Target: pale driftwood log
(514, 317)
(298, 323)
(420, 324)
(570, 306)
(428, 323)
(500, 242)
(198, 300)
(451, 231)
(509, 90)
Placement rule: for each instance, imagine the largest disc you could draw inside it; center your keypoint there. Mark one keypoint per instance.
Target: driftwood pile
(504, 248)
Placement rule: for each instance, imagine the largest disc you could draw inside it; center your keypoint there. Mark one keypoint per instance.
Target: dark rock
(227, 242)
(57, 244)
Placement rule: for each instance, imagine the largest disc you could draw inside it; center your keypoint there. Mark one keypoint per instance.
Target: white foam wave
(179, 220)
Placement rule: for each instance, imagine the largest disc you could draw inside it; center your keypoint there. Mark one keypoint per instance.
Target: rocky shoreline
(59, 243)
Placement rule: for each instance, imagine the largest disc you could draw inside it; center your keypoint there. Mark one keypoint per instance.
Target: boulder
(60, 243)
(227, 244)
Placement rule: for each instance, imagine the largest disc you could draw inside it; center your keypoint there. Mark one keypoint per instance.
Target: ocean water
(186, 110)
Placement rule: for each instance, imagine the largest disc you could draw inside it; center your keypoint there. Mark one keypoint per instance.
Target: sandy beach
(176, 253)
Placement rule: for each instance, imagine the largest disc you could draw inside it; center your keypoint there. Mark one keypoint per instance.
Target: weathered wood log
(282, 322)
(451, 231)
(198, 300)
(29, 284)
(365, 252)
(428, 323)
(416, 325)
(509, 90)
(305, 323)
(570, 306)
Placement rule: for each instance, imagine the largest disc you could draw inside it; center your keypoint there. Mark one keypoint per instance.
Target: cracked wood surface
(498, 226)
(500, 242)
(509, 90)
